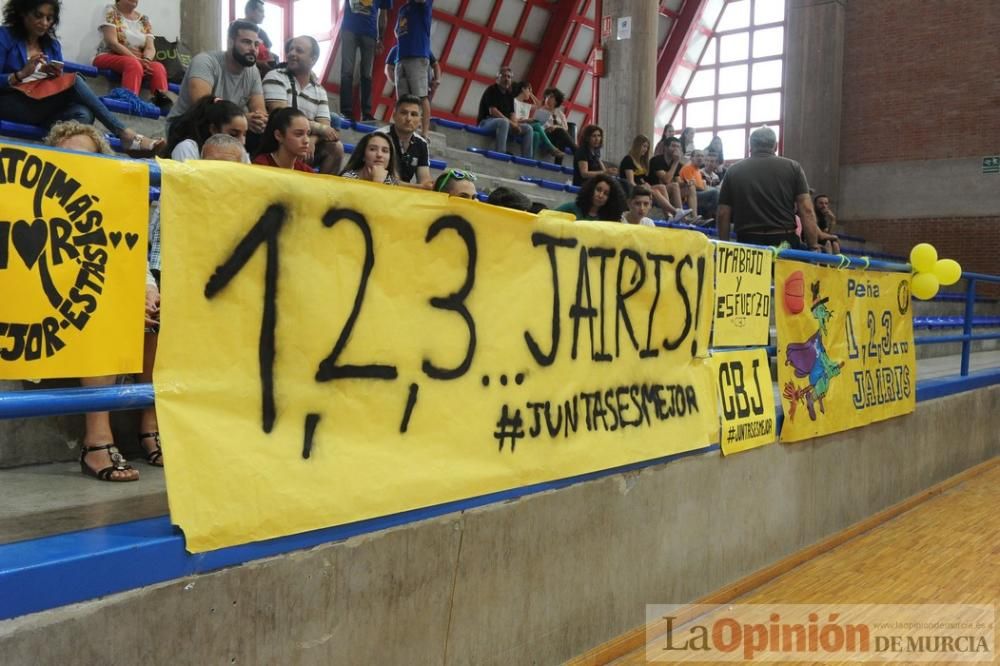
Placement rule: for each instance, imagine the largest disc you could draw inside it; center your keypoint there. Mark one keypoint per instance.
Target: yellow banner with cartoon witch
(335, 350)
(72, 263)
(846, 356)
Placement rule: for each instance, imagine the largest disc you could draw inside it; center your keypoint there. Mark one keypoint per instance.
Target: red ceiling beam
(544, 63)
(680, 33)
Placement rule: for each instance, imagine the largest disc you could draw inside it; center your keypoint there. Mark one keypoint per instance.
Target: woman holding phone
(33, 87)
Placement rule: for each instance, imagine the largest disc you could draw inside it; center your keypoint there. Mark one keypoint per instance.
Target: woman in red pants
(127, 48)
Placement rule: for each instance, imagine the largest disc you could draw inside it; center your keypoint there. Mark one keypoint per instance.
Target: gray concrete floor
(39, 500)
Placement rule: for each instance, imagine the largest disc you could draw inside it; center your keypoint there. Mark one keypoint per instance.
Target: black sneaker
(163, 102)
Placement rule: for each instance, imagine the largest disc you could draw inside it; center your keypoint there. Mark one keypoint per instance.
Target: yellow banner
(334, 350)
(746, 395)
(742, 296)
(72, 263)
(845, 348)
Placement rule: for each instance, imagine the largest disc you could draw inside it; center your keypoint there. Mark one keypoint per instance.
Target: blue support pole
(970, 305)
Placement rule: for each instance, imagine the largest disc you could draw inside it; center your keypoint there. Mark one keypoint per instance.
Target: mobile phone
(57, 63)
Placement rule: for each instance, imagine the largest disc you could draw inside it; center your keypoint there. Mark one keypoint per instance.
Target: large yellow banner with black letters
(335, 350)
(846, 356)
(72, 263)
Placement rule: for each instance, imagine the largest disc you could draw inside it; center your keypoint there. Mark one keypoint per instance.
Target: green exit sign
(991, 164)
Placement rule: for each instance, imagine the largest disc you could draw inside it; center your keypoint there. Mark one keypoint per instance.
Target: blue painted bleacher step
(363, 128)
(451, 124)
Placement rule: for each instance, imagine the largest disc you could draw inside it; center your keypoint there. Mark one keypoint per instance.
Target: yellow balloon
(923, 257)
(948, 271)
(924, 286)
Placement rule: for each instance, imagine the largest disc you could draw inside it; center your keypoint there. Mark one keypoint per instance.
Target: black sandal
(118, 463)
(154, 457)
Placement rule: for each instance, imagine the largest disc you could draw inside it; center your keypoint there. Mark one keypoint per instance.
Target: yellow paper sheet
(72, 263)
(416, 349)
(746, 396)
(845, 348)
(742, 296)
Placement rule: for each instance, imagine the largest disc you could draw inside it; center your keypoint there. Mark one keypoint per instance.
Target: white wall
(78, 22)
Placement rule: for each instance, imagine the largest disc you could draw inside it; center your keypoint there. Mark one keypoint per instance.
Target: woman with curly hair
(587, 159)
(33, 87)
(600, 198)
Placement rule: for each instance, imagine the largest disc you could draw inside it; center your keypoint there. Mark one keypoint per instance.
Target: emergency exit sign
(991, 164)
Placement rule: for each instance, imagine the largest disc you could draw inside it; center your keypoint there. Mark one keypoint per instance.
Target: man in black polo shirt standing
(411, 148)
(759, 196)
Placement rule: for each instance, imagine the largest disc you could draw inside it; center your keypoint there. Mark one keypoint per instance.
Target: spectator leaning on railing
(33, 87)
(127, 48)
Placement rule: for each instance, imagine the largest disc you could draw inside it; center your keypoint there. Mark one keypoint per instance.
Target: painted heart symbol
(116, 237)
(29, 240)
(131, 240)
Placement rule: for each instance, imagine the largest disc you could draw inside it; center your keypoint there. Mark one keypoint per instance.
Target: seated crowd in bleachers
(240, 105)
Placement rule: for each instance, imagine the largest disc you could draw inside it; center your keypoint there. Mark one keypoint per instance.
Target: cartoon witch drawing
(810, 359)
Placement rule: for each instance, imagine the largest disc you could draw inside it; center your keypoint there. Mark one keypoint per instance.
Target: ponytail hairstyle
(196, 123)
(279, 121)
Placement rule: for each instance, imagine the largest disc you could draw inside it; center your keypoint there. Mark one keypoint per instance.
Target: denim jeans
(501, 128)
(77, 103)
(350, 43)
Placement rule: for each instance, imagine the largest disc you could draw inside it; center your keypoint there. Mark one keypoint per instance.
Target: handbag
(48, 87)
(174, 56)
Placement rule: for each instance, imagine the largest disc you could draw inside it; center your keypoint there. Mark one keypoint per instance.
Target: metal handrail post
(970, 304)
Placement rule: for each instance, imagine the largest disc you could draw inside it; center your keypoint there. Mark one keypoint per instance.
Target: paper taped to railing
(746, 399)
(72, 263)
(335, 350)
(846, 356)
(742, 309)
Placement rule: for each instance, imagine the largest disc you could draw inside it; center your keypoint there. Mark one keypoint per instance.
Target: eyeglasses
(457, 174)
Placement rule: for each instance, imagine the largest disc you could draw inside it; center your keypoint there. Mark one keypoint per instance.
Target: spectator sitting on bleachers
(496, 114)
(708, 172)
(687, 142)
(361, 29)
(224, 148)
(707, 198)
(208, 117)
(373, 159)
(634, 170)
(661, 145)
(31, 61)
(229, 75)
(759, 196)
(639, 203)
(508, 197)
(587, 158)
(286, 141)
(826, 221)
(666, 169)
(127, 48)
(457, 183)
(715, 146)
(106, 462)
(297, 87)
(412, 156)
(253, 12)
(524, 102)
(554, 123)
(413, 37)
(600, 198)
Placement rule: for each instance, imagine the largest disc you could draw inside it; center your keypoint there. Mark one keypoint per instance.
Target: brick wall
(920, 80)
(972, 241)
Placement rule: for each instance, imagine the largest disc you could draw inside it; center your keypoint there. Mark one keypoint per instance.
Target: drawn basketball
(795, 291)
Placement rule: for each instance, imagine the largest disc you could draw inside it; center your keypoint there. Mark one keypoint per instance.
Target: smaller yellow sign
(742, 311)
(743, 380)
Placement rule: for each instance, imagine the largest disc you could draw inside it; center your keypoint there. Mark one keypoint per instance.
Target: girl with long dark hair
(285, 142)
(209, 116)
